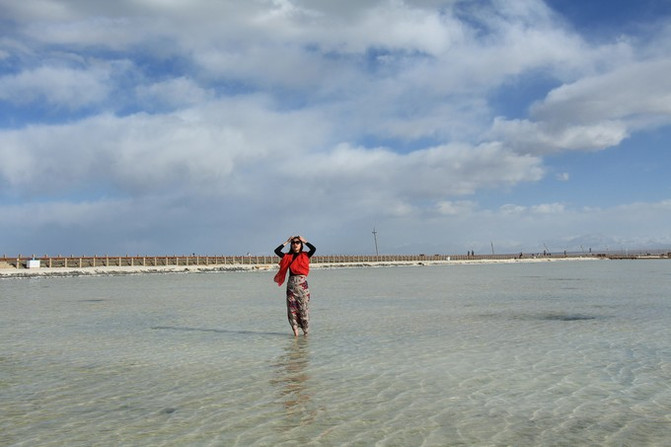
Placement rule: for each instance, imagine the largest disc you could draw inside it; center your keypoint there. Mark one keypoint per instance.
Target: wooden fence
(193, 260)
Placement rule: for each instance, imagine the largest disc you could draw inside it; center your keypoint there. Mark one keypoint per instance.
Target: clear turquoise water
(553, 354)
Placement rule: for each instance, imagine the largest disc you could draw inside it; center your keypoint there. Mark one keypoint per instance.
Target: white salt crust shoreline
(136, 270)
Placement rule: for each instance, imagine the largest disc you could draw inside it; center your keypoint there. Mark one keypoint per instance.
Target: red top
(300, 265)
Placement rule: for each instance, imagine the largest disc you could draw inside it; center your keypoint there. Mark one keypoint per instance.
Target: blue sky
(175, 127)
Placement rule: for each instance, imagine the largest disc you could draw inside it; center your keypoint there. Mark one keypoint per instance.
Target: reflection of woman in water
(293, 385)
(297, 262)
(293, 376)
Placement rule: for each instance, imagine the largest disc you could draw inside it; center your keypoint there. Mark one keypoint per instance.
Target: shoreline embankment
(99, 266)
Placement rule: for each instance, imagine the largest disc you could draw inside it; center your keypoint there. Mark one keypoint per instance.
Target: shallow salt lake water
(571, 353)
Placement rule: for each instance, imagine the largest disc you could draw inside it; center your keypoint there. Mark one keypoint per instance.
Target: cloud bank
(223, 127)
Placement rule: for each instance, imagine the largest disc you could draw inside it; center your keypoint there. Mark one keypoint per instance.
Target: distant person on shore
(297, 262)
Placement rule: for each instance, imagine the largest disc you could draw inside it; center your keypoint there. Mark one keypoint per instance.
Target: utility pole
(375, 238)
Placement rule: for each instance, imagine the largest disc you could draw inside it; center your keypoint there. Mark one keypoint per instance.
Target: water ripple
(493, 355)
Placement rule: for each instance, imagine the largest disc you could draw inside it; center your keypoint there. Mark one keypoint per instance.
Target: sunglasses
(295, 242)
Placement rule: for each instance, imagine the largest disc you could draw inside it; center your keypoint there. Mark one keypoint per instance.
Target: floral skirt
(298, 299)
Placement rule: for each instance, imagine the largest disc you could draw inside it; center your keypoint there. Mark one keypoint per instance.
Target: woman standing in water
(297, 262)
